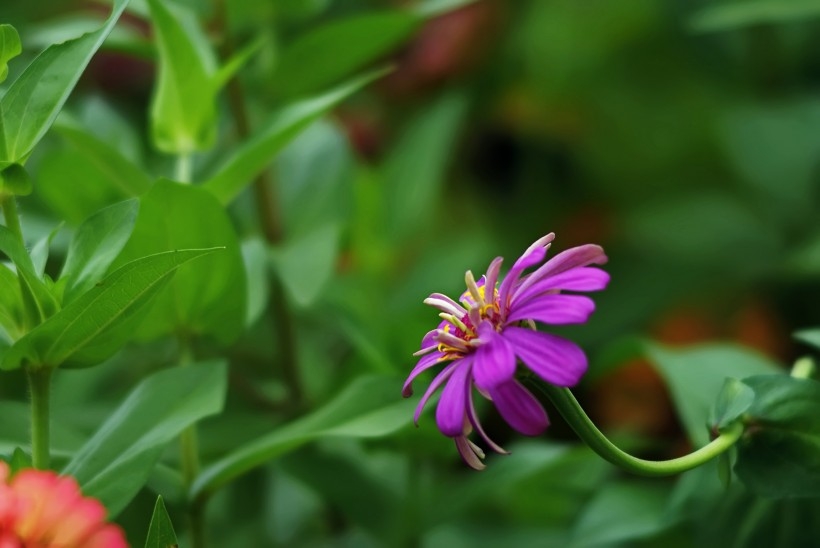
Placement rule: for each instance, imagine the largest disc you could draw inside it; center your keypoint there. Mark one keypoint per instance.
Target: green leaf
(40, 250)
(183, 108)
(116, 462)
(96, 244)
(306, 264)
(161, 531)
(123, 176)
(38, 301)
(34, 99)
(10, 47)
(332, 51)
(695, 376)
(733, 15)
(779, 454)
(98, 323)
(621, 512)
(734, 399)
(11, 304)
(809, 336)
(255, 256)
(415, 169)
(367, 408)
(254, 155)
(206, 298)
(19, 460)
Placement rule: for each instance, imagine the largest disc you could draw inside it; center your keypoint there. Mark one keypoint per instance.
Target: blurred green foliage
(682, 136)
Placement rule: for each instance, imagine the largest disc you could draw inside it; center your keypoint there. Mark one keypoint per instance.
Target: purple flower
(482, 337)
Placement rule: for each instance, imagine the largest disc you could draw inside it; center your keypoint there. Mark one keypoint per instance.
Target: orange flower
(39, 509)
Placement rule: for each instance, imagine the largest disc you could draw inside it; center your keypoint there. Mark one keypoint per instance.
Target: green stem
(39, 381)
(189, 458)
(572, 412)
(9, 205)
(183, 168)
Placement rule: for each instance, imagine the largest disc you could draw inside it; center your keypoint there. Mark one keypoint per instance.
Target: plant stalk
(39, 381)
(9, 205)
(575, 416)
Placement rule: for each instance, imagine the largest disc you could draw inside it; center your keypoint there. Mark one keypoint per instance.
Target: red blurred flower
(39, 509)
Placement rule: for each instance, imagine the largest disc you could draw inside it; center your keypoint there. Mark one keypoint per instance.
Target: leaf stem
(9, 205)
(189, 458)
(572, 412)
(39, 381)
(183, 168)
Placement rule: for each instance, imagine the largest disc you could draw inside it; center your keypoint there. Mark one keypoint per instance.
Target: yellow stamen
(473, 289)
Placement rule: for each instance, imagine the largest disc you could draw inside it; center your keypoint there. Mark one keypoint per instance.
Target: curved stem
(39, 381)
(571, 410)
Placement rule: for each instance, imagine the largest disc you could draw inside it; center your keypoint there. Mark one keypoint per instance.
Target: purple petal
(554, 359)
(520, 408)
(469, 453)
(531, 257)
(423, 364)
(492, 278)
(438, 381)
(429, 340)
(494, 360)
(554, 309)
(473, 418)
(452, 406)
(445, 304)
(582, 278)
(571, 258)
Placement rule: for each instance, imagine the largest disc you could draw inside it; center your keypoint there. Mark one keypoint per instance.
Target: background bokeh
(684, 137)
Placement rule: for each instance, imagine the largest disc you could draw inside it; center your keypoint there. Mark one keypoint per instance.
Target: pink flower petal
(554, 359)
(452, 406)
(554, 309)
(520, 408)
(494, 360)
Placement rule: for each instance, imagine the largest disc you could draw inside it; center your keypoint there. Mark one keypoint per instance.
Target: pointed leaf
(34, 99)
(306, 264)
(254, 155)
(161, 531)
(88, 330)
(367, 408)
(96, 244)
(734, 399)
(116, 462)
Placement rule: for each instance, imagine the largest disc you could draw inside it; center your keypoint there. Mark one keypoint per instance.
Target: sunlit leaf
(38, 302)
